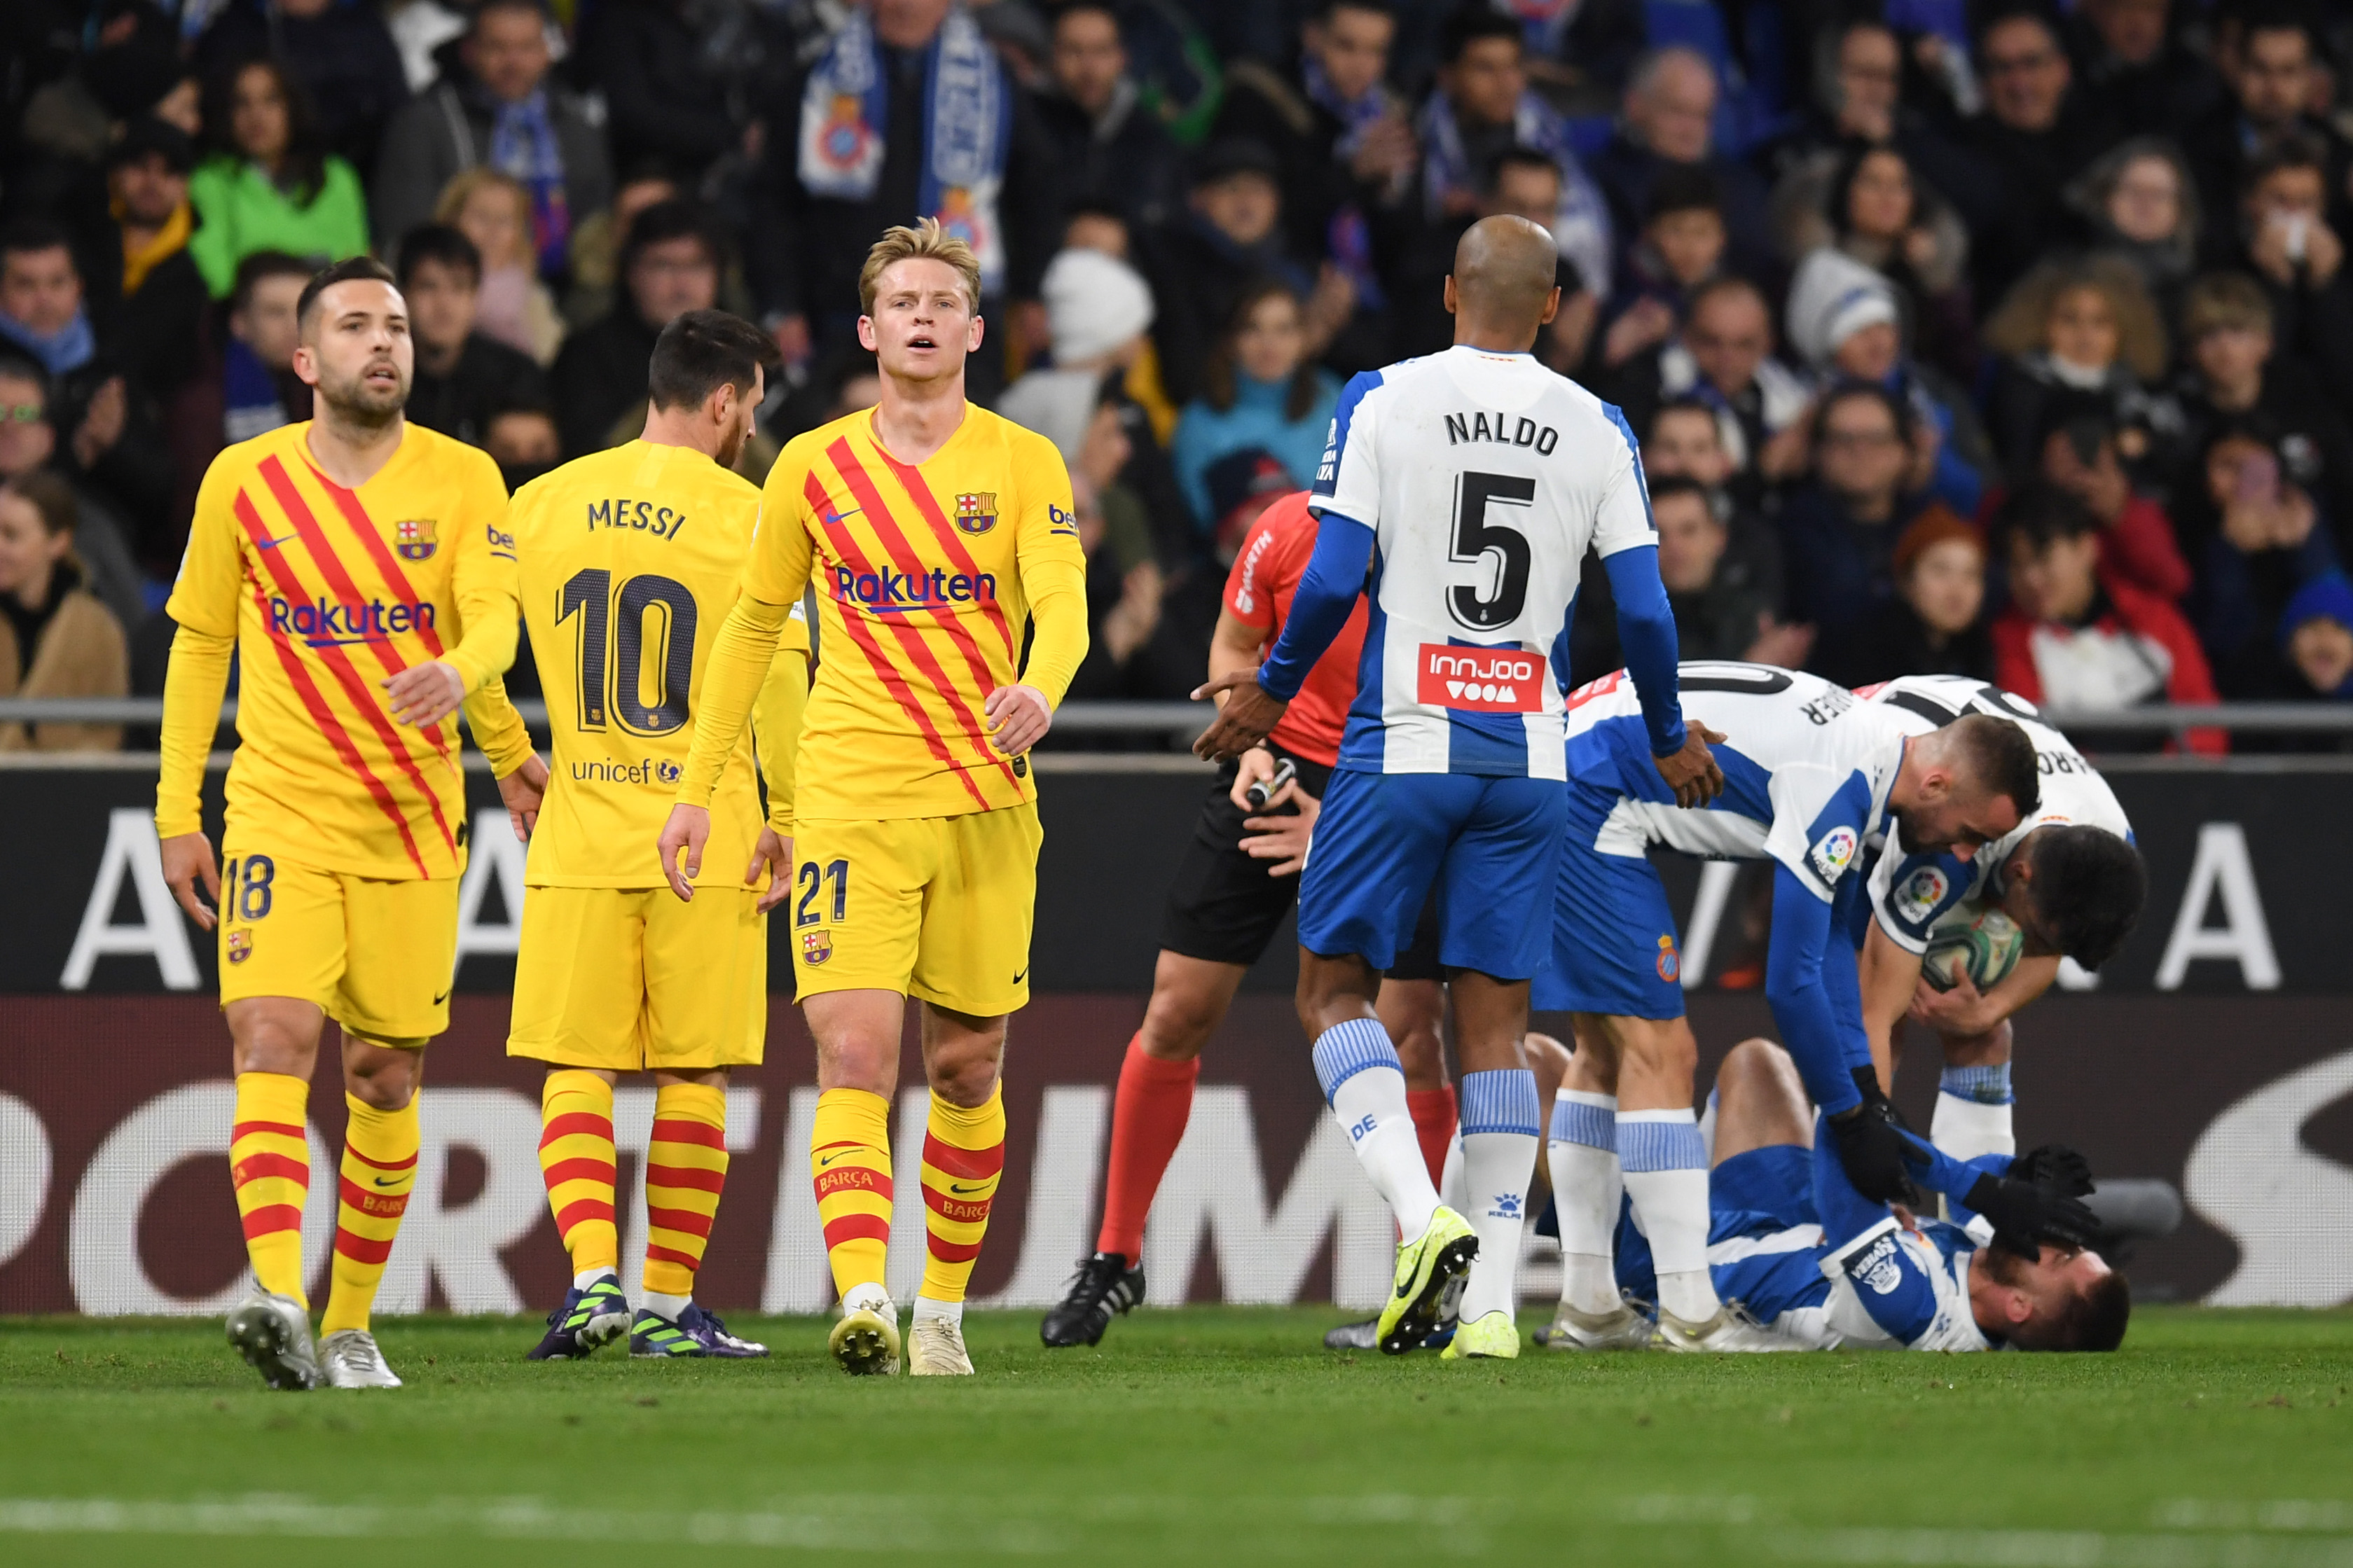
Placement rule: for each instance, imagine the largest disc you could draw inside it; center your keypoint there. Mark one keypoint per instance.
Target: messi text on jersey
(639, 516)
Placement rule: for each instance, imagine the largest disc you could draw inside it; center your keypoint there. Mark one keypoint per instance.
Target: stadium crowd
(1978, 340)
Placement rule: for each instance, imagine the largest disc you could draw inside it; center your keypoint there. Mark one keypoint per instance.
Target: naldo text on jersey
(1504, 429)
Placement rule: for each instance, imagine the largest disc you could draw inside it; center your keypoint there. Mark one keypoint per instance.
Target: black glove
(2055, 1166)
(2025, 1214)
(1876, 1156)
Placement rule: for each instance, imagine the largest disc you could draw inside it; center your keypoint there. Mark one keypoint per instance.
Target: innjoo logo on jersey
(1482, 679)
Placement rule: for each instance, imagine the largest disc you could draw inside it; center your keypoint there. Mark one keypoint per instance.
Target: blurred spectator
(1934, 623)
(1858, 71)
(2259, 540)
(669, 265)
(900, 118)
(495, 106)
(147, 296)
(1098, 308)
(2076, 640)
(55, 638)
(596, 240)
(523, 442)
(2271, 77)
(42, 309)
(493, 210)
(1124, 578)
(665, 98)
(270, 182)
(2085, 327)
(462, 377)
(246, 385)
(1094, 225)
(2290, 247)
(1721, 611)
(341, 55)
(1870, 209)
(1259, 391)
(1724, 358)
(2136, 538)
(29, 443)
(2037, 132)
(2135, 62)
(1669, 123)
(2232, 370)
(1108, 148)
(1840, 528)
(1683, 440)
(1681, 248)
(2316, 637)
(1482, 109)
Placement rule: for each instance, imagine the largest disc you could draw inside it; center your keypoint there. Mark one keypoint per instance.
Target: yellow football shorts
(937, 907)
(631, 980)
(377, 956)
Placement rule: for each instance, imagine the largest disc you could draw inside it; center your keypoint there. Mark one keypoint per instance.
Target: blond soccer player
(937, 536)
(629, 563)
(361, 569)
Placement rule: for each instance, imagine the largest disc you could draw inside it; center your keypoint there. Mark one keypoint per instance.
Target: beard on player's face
(373, 394)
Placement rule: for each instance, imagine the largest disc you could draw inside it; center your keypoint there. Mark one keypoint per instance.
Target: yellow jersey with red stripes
(328, 592)
(927, 575)
(627, 562)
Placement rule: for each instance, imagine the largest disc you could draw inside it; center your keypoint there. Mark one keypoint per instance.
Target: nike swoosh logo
(824, 1160)
(1023, 975)
(274, 543)
(961, 1191)
(387, 1181)
(443, 997)
(834, 517)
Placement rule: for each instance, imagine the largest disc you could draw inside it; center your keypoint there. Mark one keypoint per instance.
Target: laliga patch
(817, 946)
(976, 511)
(240, 946)
(413, 539)
(1671, 965)
(1831, 855)
(1481, 679)
(1922, 892)
(1878, 1270)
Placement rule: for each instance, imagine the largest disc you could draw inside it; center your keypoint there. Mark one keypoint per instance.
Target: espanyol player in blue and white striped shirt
(1469, 485)
(1811, 773)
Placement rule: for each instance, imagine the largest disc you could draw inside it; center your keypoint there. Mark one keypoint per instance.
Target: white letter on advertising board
(131, 850)
(2244, 938)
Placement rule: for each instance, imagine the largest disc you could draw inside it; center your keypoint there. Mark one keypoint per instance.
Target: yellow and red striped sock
(963, 1155)
(379, 1168)
(686, 1170)
(269, 1161)
(575, 1159)
(850, 1163)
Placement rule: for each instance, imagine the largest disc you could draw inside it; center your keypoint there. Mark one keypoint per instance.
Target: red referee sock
(1147, 1121)
(1433, 1126)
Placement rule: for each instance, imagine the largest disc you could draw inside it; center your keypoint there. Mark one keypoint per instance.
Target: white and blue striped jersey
(1485, 478)
(1888, 1289)
(1910, 890)
(1807, 768)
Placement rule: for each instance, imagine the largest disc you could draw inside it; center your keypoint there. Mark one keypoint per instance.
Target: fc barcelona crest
(817, 946)
(240, 946)
(977, 511)
(413, 539)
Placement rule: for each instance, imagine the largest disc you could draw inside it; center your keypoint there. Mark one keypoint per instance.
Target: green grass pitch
(1205, 1434)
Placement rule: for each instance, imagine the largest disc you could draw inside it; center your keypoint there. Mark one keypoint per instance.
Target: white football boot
(273, 1334)
(352, 1359)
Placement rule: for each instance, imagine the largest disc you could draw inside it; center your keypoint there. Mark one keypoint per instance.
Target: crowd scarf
(524, 144)
(1581, 227)
(250, 404)
(67, 349)
(138, 260)
(1348, 240)
(967, 128)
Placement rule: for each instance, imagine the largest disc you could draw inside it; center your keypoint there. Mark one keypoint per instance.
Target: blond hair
(461, 188)
(2224, 300)
(2020, 325)
(927, 241)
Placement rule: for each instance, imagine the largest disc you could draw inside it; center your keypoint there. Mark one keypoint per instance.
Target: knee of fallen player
(383, 1074)
(2062, 1300)
(1758, 1069)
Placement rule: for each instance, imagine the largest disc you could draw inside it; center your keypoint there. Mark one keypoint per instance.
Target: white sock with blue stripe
(1586, 1185)
(1666, 1175)
(1500, 1136)
(1364, 1083)
(1974, 1112)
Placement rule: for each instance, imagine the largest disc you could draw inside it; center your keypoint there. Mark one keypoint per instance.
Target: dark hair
(305, 168)
(2092, 1320)
(264, 264)
(1684, 188)
(1683, 404)
(2277, 17)
(1899, 410)
(666, 221)
(1852, 158)
(16, 366)
(1093, 207)
(1728, 283)
(2020, 11)
(703, 351)
(2001, 756)
(28, 235)
(441, 242)
(1666, 486)
(2041, 514)
(1217, 388)
(1470, 22)
(1323, 12)
(1108, 7)
(2088, 887)
(2295, 150)
(358, 267)
(51, 496)
(1519, 156)
(484, 7)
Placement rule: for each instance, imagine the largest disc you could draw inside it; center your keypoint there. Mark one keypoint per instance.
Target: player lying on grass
(1239, 878)
(2067, 879)
(626, 553)
(1811, 773)
(1817, 1266)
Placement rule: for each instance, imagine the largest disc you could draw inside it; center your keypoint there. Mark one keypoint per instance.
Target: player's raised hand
(2055, 1166)
(1692, 773)
(688, 829)
(1248, 715)
(2024, 1215)
(1019, 718)
(187, 861)
(774, 855)
(424, 693)
(523, 791)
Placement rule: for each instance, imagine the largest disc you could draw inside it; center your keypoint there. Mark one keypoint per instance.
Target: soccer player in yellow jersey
(936, 534)
(363, 569)
(629, 563)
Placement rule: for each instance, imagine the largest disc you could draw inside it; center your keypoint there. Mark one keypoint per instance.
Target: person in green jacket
(271, 185)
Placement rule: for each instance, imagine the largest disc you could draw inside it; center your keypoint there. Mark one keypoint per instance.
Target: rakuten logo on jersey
(1482, 679)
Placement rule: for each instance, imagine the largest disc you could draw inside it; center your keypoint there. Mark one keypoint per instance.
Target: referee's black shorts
(1223, 908)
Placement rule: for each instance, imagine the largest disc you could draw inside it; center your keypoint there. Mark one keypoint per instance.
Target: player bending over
(938, 535)
(1821, 1267)
(361, 568)
(2068, 878)
(1473, 481)
(1811, 773)
(627, 558)
(1237, 881)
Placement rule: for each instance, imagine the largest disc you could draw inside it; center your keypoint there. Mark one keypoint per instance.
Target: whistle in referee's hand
(1266, 789)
